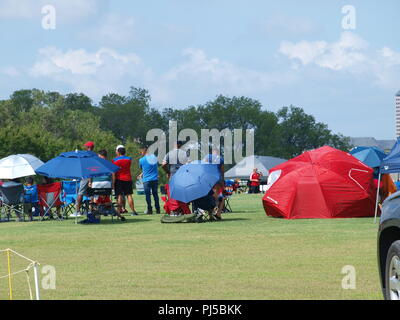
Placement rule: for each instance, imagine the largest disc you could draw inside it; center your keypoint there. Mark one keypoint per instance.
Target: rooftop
(398, 94)
(372, 142)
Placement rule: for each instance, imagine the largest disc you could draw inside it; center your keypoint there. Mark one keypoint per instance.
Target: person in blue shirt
(149, 165)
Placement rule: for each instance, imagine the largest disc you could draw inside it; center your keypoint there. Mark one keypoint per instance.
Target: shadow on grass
(232, 219)
(119, 222)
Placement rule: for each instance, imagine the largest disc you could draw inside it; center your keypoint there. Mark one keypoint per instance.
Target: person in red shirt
(255, 181)
(122, 179)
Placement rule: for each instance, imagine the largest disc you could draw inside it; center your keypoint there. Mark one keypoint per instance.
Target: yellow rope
(11, 274)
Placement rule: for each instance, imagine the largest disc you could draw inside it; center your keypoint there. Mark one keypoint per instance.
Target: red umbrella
(322, 183)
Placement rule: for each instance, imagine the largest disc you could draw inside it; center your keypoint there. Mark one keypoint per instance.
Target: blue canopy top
(371, 156)
(391, 163)
(77, 165)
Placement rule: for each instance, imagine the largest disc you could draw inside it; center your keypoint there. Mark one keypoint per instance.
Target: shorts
(83, 186)
(123, 187)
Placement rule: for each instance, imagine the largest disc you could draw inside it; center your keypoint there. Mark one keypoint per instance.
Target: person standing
(83, 185)
(174, 159)
(149, 165)
(255, 181)
(122, 179)
(104, 181)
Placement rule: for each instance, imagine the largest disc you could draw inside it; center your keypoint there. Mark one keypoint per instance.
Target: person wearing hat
(174, 159)
(83, 185)
(122, 179)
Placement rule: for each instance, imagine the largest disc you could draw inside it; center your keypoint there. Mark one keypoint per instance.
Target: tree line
(48, 123)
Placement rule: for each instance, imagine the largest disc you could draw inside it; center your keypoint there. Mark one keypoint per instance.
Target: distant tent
(244, 168)
(391, 164)
(371, 156)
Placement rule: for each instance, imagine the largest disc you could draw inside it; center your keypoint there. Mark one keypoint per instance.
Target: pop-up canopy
(390, 164)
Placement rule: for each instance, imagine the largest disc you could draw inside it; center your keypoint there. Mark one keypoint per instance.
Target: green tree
(297, 132)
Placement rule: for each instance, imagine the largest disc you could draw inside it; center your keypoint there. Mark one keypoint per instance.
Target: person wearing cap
(174, 159)
(149, 165)
(122, 179)
(83, 185)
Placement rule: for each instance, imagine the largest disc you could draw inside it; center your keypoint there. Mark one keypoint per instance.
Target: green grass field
(246, 256)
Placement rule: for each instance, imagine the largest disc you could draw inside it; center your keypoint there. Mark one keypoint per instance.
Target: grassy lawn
(246, 256)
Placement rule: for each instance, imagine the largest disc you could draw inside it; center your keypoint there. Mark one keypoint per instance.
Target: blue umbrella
(193, 181)
(76, 165)
(371, 156)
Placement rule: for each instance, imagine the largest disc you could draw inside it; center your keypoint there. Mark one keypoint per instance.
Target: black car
(389, 247)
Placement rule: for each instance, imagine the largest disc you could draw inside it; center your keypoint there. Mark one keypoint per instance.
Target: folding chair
(31, 200)
(12, 199)
(68, 197)
(49, 198)
(101, 204)
(174, 207)
(227, 194)
(205, 208)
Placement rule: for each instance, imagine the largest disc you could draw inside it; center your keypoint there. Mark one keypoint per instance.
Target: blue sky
(185, 52)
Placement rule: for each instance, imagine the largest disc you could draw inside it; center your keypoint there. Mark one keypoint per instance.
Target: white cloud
(106, 70)
(391, 57)
(66, 10)
(212, 71)
(350, 54)
(94, 73)
(339, 55)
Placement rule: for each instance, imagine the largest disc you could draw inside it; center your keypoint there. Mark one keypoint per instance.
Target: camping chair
(101, 193)
(204, 208)
(227, 194)
(174, 207)
(49, 198)
(12, 200)
(31, 200)
(68, 197)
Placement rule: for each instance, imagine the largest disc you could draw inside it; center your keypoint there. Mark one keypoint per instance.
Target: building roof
(372, 142)
(398, 94)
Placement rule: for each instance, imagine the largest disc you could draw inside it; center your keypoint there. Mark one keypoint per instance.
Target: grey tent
(244, 168)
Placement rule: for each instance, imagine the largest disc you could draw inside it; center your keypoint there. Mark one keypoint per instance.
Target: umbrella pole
(76, 190)
(377, 197)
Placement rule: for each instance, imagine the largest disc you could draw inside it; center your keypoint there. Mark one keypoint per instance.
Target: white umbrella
(19, 165)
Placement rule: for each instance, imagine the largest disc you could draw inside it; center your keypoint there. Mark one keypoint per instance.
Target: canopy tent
(77, 165)
(371, 156)
(322, 183)
(244, 168)
(390, 164)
